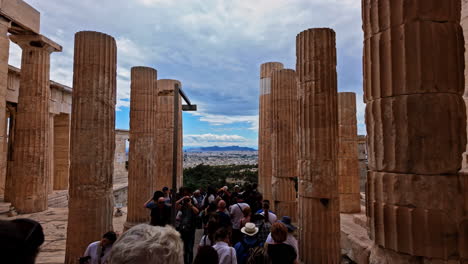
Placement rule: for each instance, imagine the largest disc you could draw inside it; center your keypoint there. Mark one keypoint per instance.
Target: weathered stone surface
(92, 141)
(380, 15)
(319, 219)
(348, 163)
(61, 151)
(319, 230)
(355, 243)
(4, 54)
(31, 170)
(264, 137)
(284, 141)
(22, 14)
(416, 123)
(165, 134)
(362, 152)
(403, 206)
(409, 59)
(408, 134)
(142, 155)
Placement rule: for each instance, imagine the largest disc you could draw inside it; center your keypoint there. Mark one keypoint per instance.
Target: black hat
(286, 220)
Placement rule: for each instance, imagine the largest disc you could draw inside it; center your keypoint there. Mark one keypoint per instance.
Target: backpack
(259, 255)
(247, 250)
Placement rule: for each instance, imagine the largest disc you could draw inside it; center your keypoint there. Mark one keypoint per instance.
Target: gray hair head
(145, 244)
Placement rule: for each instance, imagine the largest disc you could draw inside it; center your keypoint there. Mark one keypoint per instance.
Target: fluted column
(141, 157)
(165, 135)
(264, 132)
(92, 141)
(348, 163)
(416, 126)
(31, 169)
(4, 54)
(319, 219)
(284, 122)
(464, 174)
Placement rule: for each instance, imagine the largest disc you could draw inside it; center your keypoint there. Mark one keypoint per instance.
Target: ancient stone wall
(92, 141)
(284, 149)
(264, 132)
(319, 218)
(348, 162)
(416, 125)
(362, 156)
(61, 151)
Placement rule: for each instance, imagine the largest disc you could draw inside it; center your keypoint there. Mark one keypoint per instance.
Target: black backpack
(259, 255)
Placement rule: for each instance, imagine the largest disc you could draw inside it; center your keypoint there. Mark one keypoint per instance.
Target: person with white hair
(146, 244)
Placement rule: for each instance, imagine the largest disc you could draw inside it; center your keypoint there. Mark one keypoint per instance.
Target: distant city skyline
(215, 48)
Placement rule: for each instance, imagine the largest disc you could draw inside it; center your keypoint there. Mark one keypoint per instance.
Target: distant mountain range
(216, 148)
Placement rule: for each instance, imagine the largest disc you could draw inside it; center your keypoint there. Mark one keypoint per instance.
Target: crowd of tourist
(238, 227)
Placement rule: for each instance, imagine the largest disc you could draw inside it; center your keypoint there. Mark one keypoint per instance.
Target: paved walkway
(54, 222)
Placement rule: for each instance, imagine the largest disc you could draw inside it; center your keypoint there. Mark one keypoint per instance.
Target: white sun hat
(250, 229)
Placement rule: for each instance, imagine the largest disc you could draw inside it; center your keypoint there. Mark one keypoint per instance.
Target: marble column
(142, 155)
(264, 132)
(416, 127)
(165, 135)
(319, 218)
(284, 122)
(92, 141)
(31, 172)
(4, 54)
(348, 162)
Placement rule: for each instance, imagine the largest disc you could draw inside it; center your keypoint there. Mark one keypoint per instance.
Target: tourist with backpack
(279, 252)
(248, 242)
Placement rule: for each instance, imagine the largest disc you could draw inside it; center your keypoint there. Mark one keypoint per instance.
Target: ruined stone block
(408, 134)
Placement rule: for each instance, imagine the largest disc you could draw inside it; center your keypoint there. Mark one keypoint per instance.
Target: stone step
(58, 199)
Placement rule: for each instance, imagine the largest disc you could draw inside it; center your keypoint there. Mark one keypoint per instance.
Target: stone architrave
(165, 135)
(142, 155)
(319, 218)
(92, 141)
(348, 162)
(264, 137)
(4, 54)
(284, 122)
(31, 169)
(416, 127)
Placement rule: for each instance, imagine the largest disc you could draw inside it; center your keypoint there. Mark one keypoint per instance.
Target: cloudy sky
(214, 47)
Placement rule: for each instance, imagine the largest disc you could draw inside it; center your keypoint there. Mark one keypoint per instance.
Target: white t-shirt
(237, 214)
(92, 251)
(271, 217)
(226, 254)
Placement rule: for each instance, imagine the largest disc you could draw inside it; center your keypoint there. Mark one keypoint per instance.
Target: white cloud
(218, 120)
(214, 47)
